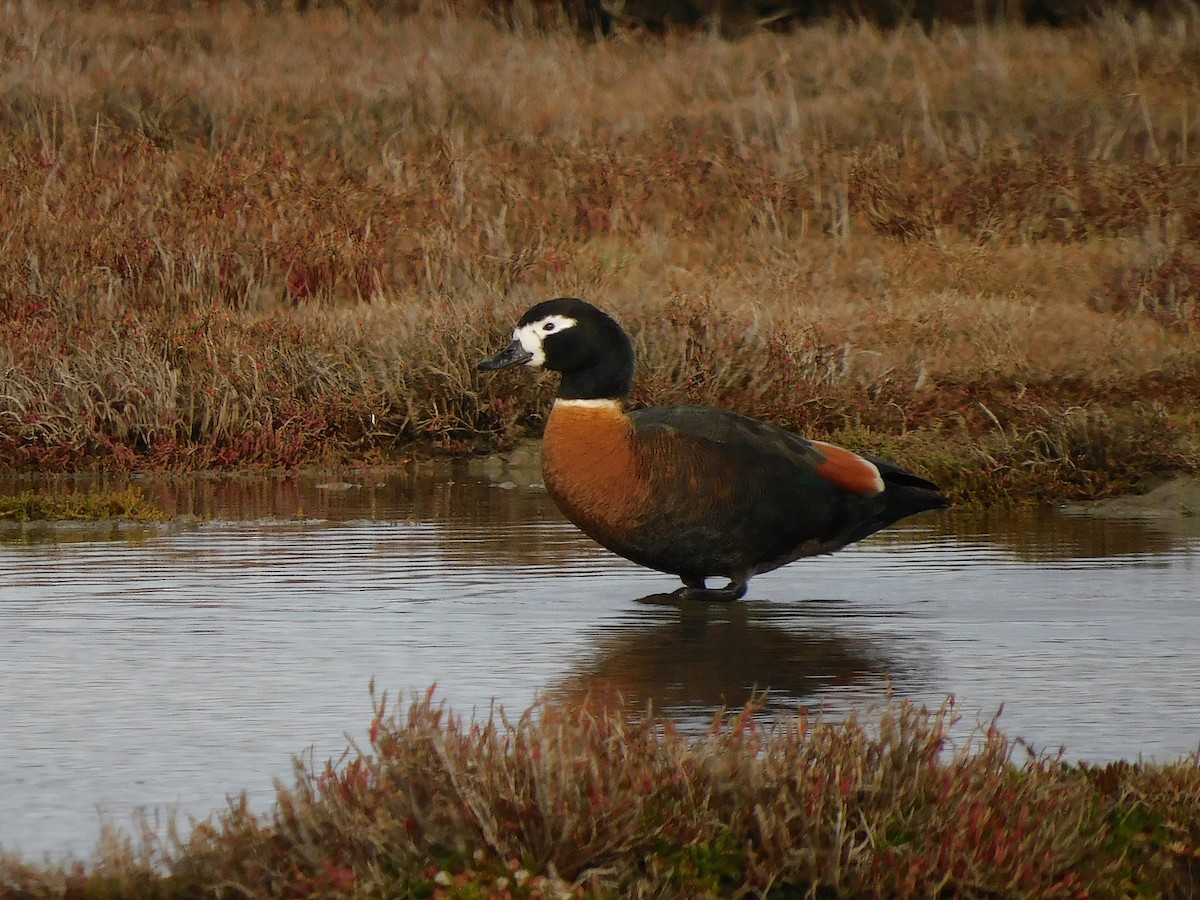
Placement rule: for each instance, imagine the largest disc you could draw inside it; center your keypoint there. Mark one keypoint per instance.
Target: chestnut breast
(591, 470)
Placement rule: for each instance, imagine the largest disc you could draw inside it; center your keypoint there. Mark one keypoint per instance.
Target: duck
(691, 491)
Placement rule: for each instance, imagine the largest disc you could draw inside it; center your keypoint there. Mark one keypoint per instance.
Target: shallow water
(166, 668)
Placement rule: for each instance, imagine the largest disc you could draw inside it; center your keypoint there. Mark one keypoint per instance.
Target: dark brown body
(698, 492)
(689, 490)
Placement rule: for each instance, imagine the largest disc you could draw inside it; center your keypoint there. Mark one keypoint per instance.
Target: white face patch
(532, 335)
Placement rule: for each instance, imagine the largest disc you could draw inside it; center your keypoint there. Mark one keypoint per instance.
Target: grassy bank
(238, 239)
(586, 801)
(88, 506)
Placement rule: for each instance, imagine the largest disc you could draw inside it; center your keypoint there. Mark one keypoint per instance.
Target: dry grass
(589, 801)
(239, 238)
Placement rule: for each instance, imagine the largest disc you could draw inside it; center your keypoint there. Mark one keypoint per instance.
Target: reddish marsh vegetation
(241, 238)
(588, 801)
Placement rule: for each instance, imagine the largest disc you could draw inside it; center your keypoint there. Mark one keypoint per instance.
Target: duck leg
(694, 589)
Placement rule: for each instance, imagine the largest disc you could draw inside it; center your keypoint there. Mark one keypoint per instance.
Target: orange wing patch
(849, 471)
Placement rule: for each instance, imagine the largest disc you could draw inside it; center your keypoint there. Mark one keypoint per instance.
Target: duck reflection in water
(692, 661)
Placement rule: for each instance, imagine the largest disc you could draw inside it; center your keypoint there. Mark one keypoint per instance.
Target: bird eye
(549, 326)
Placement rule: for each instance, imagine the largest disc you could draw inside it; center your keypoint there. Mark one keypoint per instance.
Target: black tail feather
(893, 474)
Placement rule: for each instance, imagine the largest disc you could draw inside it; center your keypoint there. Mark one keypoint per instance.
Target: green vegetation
(258, 236)
(32, 506)
(588, 801)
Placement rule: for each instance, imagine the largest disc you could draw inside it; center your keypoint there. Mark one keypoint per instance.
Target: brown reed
(253, 236)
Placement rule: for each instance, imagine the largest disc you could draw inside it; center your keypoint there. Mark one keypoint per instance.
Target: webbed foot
(667, 598)
(696, 591)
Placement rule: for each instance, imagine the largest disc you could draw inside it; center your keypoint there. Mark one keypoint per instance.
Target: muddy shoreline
(1174, 500)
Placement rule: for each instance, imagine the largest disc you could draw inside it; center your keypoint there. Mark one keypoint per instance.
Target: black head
(571, 336)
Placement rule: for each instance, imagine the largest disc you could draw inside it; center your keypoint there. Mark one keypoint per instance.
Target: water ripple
(169, 668)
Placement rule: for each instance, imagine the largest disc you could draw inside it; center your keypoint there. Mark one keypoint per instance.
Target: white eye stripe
(551, 324)
(531, 335)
